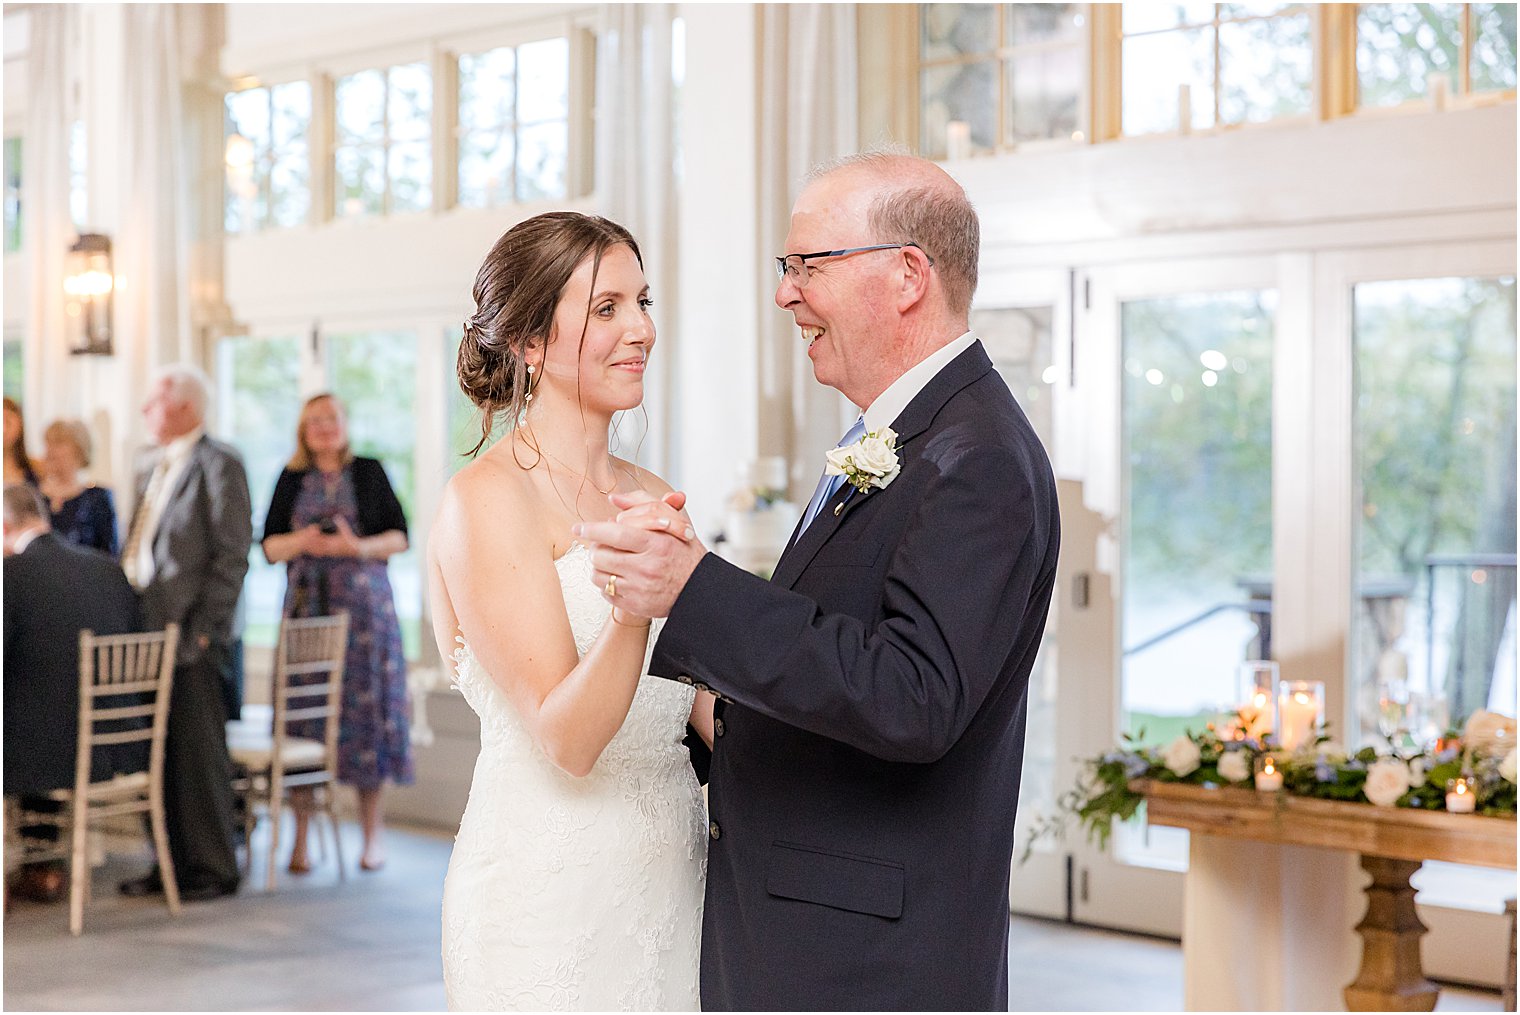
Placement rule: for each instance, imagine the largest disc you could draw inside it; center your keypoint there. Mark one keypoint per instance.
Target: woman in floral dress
(335, 520)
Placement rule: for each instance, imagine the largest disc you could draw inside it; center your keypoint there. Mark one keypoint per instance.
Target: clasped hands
(643, 558)
(342, 543)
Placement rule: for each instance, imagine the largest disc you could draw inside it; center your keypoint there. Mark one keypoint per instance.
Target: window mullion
(1464, 72)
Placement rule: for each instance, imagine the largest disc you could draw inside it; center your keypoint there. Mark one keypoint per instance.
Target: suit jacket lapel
(181, 484)
(911, 423)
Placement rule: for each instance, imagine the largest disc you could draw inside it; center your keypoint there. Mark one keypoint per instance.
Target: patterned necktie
(829, 485)
(133, 547)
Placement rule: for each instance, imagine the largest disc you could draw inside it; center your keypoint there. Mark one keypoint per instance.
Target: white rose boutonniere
(1387, 780)
(869, 462)
(1235, 766)
(1182, 757)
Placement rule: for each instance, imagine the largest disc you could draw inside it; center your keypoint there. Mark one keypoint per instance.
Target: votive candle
(1461, 795)
(1269, 778)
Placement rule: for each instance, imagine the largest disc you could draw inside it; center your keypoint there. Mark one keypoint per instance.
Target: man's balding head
(907, 198)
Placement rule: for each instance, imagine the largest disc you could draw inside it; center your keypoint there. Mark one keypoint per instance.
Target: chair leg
(276, 801)
(79, 862)
(166, 871)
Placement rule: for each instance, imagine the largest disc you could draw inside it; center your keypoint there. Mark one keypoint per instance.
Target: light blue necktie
(829, 485)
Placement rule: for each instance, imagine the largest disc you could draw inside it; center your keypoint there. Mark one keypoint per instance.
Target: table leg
(1390, 978)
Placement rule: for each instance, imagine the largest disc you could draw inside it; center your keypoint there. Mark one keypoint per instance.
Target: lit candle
(1300, 711)
(1461, 797)
(1184, 109)
(957, 140)
(1269, 779)
(1259, 715)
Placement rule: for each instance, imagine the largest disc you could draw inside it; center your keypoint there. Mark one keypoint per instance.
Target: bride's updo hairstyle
(517, 289)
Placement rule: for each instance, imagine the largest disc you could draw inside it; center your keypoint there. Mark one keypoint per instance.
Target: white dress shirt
(890, 403)
(176, 457)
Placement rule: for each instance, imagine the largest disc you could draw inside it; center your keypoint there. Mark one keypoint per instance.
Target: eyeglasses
(795, 267)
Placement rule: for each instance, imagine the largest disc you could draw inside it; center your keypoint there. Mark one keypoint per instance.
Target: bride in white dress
(577, 877)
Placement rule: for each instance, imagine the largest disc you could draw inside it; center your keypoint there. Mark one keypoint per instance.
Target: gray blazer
(200, 551)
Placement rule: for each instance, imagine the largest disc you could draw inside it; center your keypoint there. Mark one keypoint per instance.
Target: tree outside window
(1239, 63)
(12, 194)
(1407, 52)
(514, 124)
(384, 158)
(268, 157)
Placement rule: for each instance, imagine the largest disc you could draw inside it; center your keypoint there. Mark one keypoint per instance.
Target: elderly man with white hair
(186, 552)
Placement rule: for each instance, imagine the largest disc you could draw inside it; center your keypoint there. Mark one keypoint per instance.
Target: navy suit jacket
(870, 729)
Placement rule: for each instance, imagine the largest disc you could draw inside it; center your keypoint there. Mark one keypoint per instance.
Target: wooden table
(1392, 842)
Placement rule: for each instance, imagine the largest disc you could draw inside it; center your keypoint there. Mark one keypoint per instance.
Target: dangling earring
(530, 384)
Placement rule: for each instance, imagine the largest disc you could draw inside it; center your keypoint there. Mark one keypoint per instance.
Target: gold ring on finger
(611, 589)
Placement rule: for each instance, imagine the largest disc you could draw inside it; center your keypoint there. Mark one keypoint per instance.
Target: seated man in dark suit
(52, 591)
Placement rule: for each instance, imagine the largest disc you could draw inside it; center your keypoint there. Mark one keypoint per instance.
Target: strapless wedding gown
(566, 893)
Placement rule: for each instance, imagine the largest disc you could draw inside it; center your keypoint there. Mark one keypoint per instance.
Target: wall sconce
(88, 285)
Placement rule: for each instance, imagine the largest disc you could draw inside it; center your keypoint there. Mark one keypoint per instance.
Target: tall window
(1010, 72)
(514, 124)
(1408, 51)
(1434, 626)
(384, 157)
(268, 156)
(12, 194)
(1216, 64)
(79, 176)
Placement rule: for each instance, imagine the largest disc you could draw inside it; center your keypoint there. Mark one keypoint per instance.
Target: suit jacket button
(713, 830)
(683, 678)
(717, 727)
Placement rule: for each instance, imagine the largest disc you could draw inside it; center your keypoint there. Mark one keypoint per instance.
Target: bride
(576, 880)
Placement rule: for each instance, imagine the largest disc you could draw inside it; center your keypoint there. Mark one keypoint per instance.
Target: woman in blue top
(83, 514)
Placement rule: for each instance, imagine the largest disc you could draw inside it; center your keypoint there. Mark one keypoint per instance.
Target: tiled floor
(372, 944)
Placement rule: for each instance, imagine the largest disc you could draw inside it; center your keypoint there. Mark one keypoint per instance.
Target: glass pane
(1435, 461)
(14, 367)
(967, 93)
(543, 76)
(361, 106)
(486, 91)
(292, 113)
(485, 169)
(411, 176)
(954, 30)
(1196, 595)
(1155, 17)
(360, 181)
(1155, 66)
(1026, 23)
(290, 186)
(1020, 342)
(1493, 52)
(1399, 47)
(541, 161)
(1266, 69)
(375, 373)
(411, 102)
(248, 115)
(79, 176)
(1044, 94)
(258, 402)
(12, 194)
(1257, 10)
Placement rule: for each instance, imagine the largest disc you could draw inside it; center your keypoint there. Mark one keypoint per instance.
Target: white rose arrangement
(1387, 780)
(1181, 757)
(870, 462)
(1235, 766)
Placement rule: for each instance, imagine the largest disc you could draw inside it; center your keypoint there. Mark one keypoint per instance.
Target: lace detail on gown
(577, 894)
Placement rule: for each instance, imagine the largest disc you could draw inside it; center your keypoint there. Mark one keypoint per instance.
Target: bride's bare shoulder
(491, 488)
(646, 480)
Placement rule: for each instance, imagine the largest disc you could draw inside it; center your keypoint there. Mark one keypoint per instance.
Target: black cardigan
(379, 510)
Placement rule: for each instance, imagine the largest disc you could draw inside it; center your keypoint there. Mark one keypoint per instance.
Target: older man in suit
(870, 732)
(187, 552)
(52, 591)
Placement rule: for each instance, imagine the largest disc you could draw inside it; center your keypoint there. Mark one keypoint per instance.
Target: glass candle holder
(1462, 794)
(1300, 713)
(1269, 778)
(1257, 689)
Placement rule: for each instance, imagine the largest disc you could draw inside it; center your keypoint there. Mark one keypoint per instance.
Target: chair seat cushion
(257, 752)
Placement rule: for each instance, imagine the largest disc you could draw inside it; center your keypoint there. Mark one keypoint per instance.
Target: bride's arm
(702, 717)
(505, 592)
